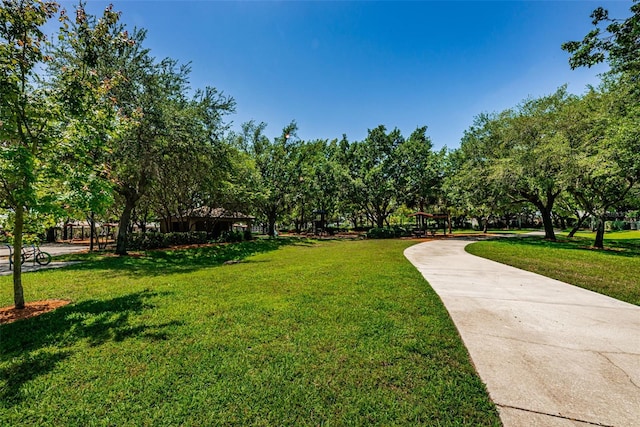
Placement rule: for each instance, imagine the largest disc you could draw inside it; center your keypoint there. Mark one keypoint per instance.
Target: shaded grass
(494, 231)
(338, 333)
(609, 235)
(612, 272)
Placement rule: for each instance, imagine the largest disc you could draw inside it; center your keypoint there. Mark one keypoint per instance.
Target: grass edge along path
(612, 272)
(335, 333)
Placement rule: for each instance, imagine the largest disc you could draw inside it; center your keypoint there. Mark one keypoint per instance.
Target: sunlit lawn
(613, 271)
(299, 333)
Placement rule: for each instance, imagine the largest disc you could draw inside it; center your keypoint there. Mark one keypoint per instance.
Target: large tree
(194, 160)
(273, 168)
(374, 173)
(149, 98)
(28, 118)
(82, 79)
(420, 171)
(608, 167)
(529, 159)
(469, 182)
(605, 164)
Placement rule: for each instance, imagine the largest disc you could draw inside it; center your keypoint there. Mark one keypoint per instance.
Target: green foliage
(615, 226)
(231, 236)
(145, 241)
(336, 333)
(150, 240)
(519, 157)
(274, 165)
(469, 182)
(28, 118)
(613, 40)
(388, 232)
(420, 171)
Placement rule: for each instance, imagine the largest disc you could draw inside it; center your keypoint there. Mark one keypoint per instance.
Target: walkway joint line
(593, 423)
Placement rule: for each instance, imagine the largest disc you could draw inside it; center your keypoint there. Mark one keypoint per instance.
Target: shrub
(231, 237)
(188, 238)
(388, 232)
(615, 225)
(145, 241)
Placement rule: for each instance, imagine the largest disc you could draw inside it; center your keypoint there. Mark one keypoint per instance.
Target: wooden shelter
(427, 222)
(211, 220)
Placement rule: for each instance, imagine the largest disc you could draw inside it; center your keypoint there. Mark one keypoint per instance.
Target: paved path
(51, 248)
(551, 354)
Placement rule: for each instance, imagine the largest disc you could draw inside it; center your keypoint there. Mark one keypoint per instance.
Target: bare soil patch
(31, 309)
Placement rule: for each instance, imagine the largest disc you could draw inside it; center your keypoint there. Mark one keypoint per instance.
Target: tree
(531, 153)
(194, 160)
(616, 41)
(149, 98)
(374, 173)
(606, 158)
(27, 116)
(82, 80)
(314, 181)
(608, 169)
(419, 174)
(469, 182)
(273, 166)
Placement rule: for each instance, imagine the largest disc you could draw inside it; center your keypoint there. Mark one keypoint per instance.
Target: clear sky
(345, 67)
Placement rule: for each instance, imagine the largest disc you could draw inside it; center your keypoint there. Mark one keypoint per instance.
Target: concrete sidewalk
(551, 354)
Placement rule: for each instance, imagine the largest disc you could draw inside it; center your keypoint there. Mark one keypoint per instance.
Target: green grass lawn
(494, 231)
(613, 271)
(299, 333)
(609, 235)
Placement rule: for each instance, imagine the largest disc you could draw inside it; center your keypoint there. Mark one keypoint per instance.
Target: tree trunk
(51, 235)
(271, 219)
(92, 234)
(18, 293)
(547, 221)
(599, 243)
(485, 225)
(123, 226)
(578, 225)
(271, 232)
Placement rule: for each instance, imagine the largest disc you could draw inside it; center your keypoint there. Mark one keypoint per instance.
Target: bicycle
(34, 253)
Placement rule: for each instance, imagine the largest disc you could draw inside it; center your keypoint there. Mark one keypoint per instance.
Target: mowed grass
(299, 333)
(612, 271)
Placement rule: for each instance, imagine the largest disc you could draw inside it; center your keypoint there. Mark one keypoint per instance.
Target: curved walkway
(551, 354)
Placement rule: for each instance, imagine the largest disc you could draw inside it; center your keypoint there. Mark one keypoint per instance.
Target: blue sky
(346, 67)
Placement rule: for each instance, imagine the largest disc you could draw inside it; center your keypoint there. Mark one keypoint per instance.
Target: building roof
(217, 213)
(428, 215)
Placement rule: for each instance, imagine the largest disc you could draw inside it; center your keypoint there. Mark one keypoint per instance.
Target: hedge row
(388, 232)
(145, 241)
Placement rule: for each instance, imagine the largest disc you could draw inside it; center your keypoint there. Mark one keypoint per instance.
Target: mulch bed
(31, 309)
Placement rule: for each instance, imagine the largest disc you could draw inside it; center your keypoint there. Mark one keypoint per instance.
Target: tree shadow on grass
(618, 248)
(33, 347)
(161, 262)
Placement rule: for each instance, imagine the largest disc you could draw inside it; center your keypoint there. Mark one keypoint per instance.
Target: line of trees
(92, 124)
